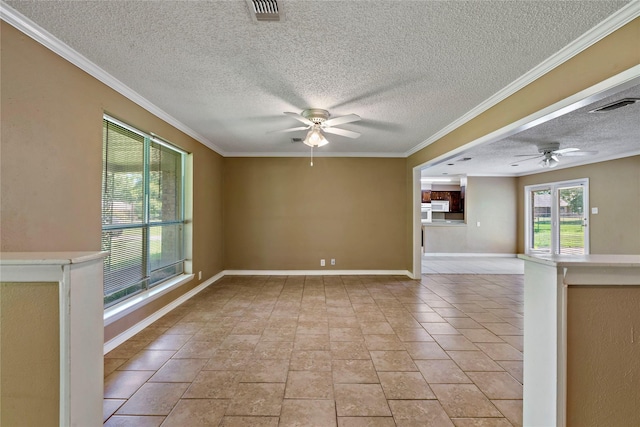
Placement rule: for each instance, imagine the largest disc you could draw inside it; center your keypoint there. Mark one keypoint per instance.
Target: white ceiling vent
(265, 10)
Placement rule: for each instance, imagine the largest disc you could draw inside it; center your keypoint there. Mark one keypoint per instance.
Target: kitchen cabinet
(439, 195)
(454, 202)
(426, 196)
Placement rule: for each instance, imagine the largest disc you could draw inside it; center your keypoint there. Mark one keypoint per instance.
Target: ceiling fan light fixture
(549, 162)
(315, 138)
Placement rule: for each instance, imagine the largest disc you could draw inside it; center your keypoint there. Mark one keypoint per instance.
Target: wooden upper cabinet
(454, 202)
(426, 196)
(441, 195)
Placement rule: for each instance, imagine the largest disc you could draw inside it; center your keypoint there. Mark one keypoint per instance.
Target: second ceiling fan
(551, 153)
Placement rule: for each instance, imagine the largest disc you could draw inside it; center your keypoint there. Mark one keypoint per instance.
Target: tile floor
(327, 351)
(471, 265)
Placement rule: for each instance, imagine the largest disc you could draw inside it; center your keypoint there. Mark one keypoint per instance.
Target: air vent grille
(615, 105)
(266, 10)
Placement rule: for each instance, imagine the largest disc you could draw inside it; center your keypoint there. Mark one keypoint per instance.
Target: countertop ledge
(49, 258)
(593, 260)
(444, 224)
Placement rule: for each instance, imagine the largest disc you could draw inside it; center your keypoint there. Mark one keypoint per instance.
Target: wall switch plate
(478, 224)
(594, 211)
(199, 275)
(333, 261)
(321, 263)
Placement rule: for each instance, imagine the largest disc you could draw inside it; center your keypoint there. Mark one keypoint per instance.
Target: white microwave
(440, 205)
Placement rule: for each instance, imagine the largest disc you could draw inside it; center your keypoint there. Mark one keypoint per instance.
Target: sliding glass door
(557, 218)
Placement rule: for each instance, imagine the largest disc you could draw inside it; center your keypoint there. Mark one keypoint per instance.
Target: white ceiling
(410, 69)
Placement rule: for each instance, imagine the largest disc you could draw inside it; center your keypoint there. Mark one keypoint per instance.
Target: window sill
(130, 305)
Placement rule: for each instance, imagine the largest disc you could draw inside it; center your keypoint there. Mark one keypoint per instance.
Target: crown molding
(316, 154)
(621, 81)
(594, 35)
(57, 46)
(48, 40)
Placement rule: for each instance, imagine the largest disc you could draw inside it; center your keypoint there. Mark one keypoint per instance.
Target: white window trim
(553, 186)
(129, 305)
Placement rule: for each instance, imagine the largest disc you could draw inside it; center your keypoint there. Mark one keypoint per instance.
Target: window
(142, 210)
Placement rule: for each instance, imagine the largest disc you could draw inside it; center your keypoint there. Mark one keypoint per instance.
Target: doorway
(557, 218)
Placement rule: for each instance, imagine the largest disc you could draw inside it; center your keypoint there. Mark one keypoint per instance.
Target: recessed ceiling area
(611, 134)
(409, 69)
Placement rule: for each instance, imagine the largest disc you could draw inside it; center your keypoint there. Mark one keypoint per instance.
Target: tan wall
(610, 56)
(603, 362)
(30, 348)
(51, 161)
(614, 188)
(280, 213)
(490, 201)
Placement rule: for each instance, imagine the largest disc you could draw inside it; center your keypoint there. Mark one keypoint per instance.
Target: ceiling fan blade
(579, 153)
(299, 118)
(341, 120)
(565, 151)
(529, 155)
(342, 132)
(289, 130)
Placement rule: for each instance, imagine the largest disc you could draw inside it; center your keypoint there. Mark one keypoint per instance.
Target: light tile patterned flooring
(327, 351)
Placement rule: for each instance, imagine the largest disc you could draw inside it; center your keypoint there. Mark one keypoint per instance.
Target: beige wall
(603, 362)
(281, 213)
(614, 188)
(51, 161)
(30, 348)
(490, 201)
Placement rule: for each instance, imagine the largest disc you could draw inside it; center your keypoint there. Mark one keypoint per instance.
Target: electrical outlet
(478, 224)
(333, 261)
(199, 275)
(594, 211)
(321, 263)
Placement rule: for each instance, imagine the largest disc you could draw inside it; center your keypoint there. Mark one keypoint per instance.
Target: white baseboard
(122, 337)
(317, 273)
(485, 255)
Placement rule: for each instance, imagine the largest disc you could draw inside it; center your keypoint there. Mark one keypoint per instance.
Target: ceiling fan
(551, 153)
(318, 121)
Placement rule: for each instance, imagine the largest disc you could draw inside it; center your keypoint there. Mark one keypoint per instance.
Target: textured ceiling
(408, 68)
